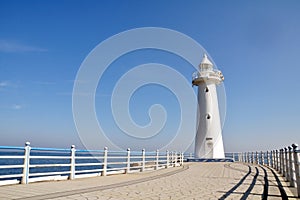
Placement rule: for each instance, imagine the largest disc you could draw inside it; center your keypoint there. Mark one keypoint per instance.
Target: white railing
(285, 161)
(29, 164)
(229, 157)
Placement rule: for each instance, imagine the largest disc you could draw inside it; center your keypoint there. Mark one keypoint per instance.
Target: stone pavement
(192, 181)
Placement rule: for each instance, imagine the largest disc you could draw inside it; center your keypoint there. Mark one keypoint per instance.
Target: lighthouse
(208, 141)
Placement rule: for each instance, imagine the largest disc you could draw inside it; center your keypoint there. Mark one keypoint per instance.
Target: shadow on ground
(268, 178)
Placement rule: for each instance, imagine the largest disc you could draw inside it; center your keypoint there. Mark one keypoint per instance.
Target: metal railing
(233, 156)
(29, 164)
(284, 160)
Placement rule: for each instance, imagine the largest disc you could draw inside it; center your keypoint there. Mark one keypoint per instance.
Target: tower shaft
(209, 142)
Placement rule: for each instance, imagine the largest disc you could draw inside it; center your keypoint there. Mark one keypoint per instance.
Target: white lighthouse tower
(208, 142)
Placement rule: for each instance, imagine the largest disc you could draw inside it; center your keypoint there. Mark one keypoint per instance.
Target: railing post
(143, 160)
(281, 162)
(168, 159)
(277, 160)
(262, 162)
(273, 159)
(242, 157)
(269, 158)
(296, 163)
(128, 161)
(233, 157)
(175, 159)
(257, 158)
(248, 157)
(287, 171)
(182, 156)
(157, 159)
(291, 167)
(252, 159)
(25, 177)
(104, 171)
(72, 167)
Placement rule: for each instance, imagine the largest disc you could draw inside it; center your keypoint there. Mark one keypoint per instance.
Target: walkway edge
(104, 187)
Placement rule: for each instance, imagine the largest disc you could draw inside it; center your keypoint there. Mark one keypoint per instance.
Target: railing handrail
(77, 150)
(49, 149)
(12, 147)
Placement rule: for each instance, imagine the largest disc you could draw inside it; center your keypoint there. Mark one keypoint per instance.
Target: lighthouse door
(209, 150)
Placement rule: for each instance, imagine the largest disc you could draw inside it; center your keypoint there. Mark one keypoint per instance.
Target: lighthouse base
(209, 160)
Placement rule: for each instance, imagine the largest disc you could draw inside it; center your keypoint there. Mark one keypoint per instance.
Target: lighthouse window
(206, 89)
(208, 116)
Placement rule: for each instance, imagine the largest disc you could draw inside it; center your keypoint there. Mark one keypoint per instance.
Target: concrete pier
(192, 181)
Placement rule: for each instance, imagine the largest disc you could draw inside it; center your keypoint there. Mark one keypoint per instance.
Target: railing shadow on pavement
(284, 161)
(237, 185)
(248, 193)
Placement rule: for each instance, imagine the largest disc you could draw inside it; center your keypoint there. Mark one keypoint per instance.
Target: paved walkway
(193, 181)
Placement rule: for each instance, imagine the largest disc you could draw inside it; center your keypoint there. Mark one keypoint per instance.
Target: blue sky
(256, 44)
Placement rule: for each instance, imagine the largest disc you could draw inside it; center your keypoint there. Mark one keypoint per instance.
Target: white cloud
(16, 107)
(3, 84)
(12, 47)
(83, 94)
(6, 85)
(44, 82)
(76, 94)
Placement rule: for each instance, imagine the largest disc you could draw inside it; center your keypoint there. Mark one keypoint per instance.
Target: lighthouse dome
(205, 64)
